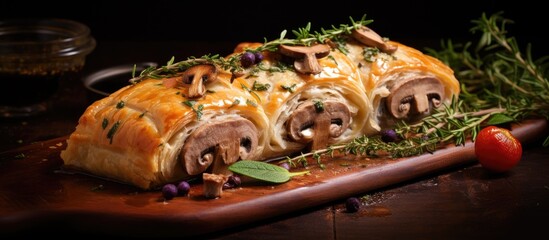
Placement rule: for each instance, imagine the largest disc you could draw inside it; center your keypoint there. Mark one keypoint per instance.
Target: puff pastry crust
(152, 132)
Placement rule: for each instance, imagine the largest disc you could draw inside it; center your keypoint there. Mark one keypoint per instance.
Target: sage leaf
(499, 118)
(263, 171)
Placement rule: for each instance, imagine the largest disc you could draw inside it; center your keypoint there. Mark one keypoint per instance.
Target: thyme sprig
(303, 36)
(496, 74)
(499, 85)
(448, 125)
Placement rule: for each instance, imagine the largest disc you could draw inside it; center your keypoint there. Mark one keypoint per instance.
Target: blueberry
(258, 57)
(352, 204)
(389, 135)
(169, 191)
(247, 59)
(183, 188)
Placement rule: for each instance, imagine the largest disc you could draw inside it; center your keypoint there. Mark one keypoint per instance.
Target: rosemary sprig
(499, 85)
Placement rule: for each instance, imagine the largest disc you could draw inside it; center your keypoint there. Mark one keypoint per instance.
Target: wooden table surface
(459, 203)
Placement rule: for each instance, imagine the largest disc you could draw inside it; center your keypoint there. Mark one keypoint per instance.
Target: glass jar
(34, 55)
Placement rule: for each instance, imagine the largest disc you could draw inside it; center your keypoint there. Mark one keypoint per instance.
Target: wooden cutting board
(35, 192)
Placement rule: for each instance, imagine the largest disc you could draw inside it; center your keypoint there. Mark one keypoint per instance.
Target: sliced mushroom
(213, 184)
(367, 36)
(197, 76)
(308, 123)
(306, 58)
(415, 97)
(219, 143)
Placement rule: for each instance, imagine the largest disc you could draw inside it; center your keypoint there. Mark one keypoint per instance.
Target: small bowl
(35, 55)
(102, 83)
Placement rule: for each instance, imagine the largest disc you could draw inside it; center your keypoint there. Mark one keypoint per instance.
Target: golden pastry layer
(201, 115)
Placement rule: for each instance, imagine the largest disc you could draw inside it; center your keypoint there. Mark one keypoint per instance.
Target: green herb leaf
(189, 103)
(105, 123)
(197, 110)
(120, 104)
(290, 89)
(263, 171)
(235, 102)
(113, 130)
(260, 86)
(369, 53)
(319, 106)
(170, 62)
(499, 118)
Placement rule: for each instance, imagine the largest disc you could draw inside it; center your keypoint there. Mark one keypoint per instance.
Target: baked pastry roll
(200, 115)
(151, 133)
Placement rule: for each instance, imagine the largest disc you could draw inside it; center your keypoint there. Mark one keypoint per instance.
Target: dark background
(417, 23)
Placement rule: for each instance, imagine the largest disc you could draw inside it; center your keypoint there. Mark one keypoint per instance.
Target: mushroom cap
(413, 98)
(319, 50)
(205, 72)
(369, 37)
(197, 76)
(306, 58)
(228, 139)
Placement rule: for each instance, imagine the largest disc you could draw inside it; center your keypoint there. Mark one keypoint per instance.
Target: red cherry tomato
(497, 149)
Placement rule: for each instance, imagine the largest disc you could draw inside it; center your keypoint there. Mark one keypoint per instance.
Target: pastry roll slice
(403, 84)
(308, 109)
(152, 132)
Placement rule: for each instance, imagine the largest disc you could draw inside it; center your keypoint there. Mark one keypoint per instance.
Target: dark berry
(232, 182)
(183, 188)
(389, 135)
(169, 191)
(235, 179)
(352, 204)
(247, 59)
(258, 57)
(227, 185)
(285, 165)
